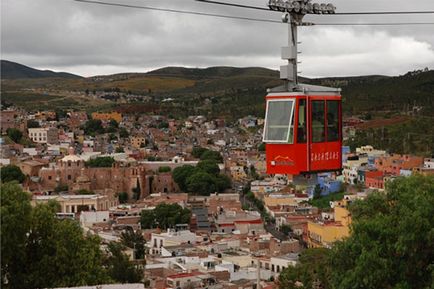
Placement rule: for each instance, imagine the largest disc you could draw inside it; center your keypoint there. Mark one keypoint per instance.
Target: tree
(14, 134)
(201, 183)
(122, 197)
(61, 188)
(137, 191)
(222, 182)
(286, 229)
(40, 251)
(209, 166)
(123, 133)
(261, 147)
(165, 216)
(198, 151)
(93, 127)
(15, 224)
(11, 173)
(119, 150)
(392, 240)
(100, 162)
(212, 155)
(120, 269)
(113, 123)
(32, 124)
(163, 124)
(180, 175)
(313, 267)
(84, 192)
(317, 192)
(135, 241)
(164, 169)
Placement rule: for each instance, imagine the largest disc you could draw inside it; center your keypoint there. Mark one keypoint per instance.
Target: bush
(164, 169)
(11, 173)
(101, 162)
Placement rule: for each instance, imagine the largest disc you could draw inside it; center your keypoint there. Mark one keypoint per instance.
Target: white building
(44, 135)
(171, 238)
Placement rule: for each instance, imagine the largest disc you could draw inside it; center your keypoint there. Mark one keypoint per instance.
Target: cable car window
(332, 120)
(301, 129)
(318, 121)
(278, 121)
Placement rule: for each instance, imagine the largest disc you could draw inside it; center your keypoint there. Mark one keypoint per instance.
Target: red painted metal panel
(308, 157)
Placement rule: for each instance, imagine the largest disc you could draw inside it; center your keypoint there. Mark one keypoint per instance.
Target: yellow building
(275, 200)
(325, 233)
(77, 203)
(106, 116)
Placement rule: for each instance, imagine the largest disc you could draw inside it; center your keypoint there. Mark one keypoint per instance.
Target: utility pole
(294, 11)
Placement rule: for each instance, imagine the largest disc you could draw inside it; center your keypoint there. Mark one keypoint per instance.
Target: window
(69, 177)
(318, 121)
(301, 129)
(278, 121)
(332, 120)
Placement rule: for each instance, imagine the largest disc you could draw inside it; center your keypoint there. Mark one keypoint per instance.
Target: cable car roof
(305, 89)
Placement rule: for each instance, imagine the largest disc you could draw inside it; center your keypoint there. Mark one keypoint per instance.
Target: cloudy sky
(64, 35)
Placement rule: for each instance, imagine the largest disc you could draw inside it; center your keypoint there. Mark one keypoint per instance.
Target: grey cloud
(89, 39)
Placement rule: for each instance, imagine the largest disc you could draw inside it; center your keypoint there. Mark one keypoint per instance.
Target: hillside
(225, 91)
(13, 70)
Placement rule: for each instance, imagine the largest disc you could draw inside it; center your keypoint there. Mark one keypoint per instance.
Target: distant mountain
(13, 70)
(216, 71)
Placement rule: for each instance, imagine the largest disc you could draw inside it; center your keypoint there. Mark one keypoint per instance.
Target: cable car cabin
(303, 130)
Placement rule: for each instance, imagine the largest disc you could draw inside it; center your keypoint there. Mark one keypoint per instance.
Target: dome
(71, 158)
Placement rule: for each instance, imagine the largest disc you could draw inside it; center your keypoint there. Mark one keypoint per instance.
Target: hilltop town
(194, 192)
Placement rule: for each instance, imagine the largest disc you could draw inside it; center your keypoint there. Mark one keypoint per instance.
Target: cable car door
(325, 133)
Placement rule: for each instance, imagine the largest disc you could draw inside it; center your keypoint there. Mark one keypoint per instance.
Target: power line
(338, 13)
(177, 11)
(239, 17)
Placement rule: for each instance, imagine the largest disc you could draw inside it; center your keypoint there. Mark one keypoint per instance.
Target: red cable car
(303, 130)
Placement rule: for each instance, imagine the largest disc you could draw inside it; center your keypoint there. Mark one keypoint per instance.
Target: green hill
(13, 70)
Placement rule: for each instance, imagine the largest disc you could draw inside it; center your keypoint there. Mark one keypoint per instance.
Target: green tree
(113, 123)
(148, 219)
(392, 240)
(198, 151)
(286, 229)
(163, 124)
(61, 188)
(137, 191)
(201, 183)
(100, 162)
(208, 166)
(93, 127)
(135, 241)
(123, 133)
(164, 169)
(122, 197)
(32, 124)
(317, 192)
(180, 175)
(165, 216)
(313, 266)
(41, 251)
(14, 134)
(11, 173)
(222, 182)
(84, 192)
(15, 224)
(261, 147)
(212, 155)
(120, 269)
